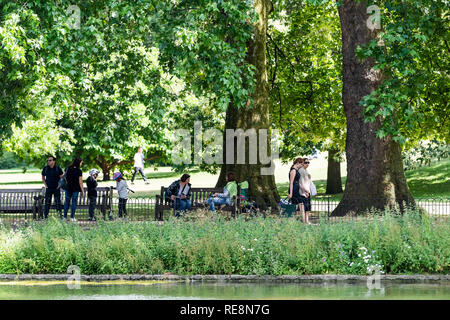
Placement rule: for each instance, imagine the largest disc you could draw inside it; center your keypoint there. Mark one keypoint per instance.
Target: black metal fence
(322, 209)
(143, 209)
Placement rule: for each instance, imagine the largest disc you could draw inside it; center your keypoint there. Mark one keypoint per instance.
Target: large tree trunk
(104, 166)
(262, 188)
(334, 181)
(375, 176)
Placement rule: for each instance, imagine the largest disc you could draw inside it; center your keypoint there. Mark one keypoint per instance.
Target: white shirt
(183, 190)
(304, 181)
(139, 160)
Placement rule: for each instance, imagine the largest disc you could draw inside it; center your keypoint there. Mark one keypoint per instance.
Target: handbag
(312, 188)
(63, 181)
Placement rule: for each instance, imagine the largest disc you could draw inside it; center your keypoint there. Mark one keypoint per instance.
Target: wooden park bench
(198, 199)
(33, 201)
(15, 201)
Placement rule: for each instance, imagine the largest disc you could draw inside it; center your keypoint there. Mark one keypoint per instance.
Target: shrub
(389, 242)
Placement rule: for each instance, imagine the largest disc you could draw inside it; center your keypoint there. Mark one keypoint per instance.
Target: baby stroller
(248, 206)
(287, 209)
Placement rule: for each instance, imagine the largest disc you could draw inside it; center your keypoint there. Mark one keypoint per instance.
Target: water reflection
(227, 291)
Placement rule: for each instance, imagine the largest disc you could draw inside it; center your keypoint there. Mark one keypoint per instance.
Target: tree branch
(292, 67)
(446, 44)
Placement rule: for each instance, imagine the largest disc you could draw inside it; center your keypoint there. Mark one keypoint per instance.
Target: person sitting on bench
(229, 191)
(179, 192)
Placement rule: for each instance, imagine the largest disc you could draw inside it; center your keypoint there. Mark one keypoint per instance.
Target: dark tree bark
(262, 188)
(334, 181)
(105, 167)
(106, 175)
(375, 176)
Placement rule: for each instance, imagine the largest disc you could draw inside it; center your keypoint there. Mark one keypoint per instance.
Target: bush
(8, 161)
(425, 153)
(389, 242)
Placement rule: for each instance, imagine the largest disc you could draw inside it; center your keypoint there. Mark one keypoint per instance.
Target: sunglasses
(306, 162)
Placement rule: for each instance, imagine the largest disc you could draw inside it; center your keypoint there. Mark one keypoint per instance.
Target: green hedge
(398, 245)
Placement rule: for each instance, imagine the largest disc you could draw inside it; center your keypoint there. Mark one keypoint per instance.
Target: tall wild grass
(389, 243)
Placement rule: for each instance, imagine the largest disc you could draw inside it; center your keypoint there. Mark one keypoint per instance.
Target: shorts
(306, 203)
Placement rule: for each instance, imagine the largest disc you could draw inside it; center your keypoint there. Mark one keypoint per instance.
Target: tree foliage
(22, 68)
(306, 76)
(413, 54)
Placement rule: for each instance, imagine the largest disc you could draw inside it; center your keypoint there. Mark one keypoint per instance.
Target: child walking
(92, 184)
(122, 190)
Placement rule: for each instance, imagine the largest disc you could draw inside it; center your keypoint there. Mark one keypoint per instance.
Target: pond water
(54, 290)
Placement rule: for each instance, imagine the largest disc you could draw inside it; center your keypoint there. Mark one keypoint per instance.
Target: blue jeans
(70, 196)
(181, 205)
(217, 201)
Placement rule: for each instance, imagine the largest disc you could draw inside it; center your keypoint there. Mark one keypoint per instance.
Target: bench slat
(22, 200)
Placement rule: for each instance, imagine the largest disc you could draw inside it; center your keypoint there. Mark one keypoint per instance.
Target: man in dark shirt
(51, 174)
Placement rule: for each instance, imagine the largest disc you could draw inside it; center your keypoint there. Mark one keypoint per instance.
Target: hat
(93, 171)
(117, 175)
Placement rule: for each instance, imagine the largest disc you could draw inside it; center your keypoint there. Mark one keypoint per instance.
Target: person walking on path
(51, 174)
(92, 184)
(229, 191)
(294, 183)
(180, 192)
(74, 177)
(139, 166)
(122, 190)
(305, 192)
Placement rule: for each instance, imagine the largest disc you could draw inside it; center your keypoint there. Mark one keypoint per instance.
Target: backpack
(46, 169)
(244, 192)
(63, 181)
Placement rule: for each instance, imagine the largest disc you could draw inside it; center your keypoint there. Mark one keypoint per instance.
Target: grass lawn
(428, 182)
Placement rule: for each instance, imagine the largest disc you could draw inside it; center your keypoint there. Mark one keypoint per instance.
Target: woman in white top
(305, 192)
(139, 166)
